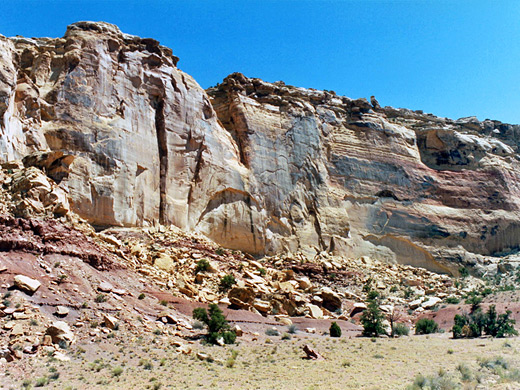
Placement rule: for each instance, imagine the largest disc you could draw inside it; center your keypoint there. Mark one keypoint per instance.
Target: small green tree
(335, 330)
(372, 320)
(218, 327)
(478, 322)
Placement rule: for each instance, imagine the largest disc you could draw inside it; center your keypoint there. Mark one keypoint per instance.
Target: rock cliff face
(137, 133)
(350, 176)
(255, 166)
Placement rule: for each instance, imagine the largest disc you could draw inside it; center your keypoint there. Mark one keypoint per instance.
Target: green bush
(227, 282)
(372, 320)
(400, 330)
(426, 326)
(101, 298)
(464, 273)
(272, 332)
(452, 300)
(217, 324)
(335, 330)
(202, 266)
(490, 323)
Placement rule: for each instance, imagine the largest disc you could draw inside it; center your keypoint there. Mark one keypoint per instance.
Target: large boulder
(60, 332)
(26, 283)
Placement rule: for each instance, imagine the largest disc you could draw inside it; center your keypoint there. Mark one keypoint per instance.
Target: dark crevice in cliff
(160, 128)
(198, 166)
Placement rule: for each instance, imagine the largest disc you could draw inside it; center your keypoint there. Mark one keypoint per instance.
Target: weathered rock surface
(27, 284)
(130, 140)
(142, 142)
(349, 177)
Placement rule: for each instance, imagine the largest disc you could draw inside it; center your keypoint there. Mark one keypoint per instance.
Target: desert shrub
(272, 332)
(262, 271)
(452, 300)
(495, 364)
(220, 251)
(286, 336)
(474, 301)
(117, 371)
(141, 296)
(499, 325)
(227, 282)
(373, 294)
(199, 325)
(217, 324)
(372, 320)
(202, 266)
(487, 291)
(101, 298)
(464, 273)
(400, 329)
(465, 372)
(292, 329)
(40, 382)
(426, 326)
(335, 330)
(441, 381)
(408, 293)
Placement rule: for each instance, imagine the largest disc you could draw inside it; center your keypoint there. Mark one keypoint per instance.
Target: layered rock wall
(349, 176)
(256, 166)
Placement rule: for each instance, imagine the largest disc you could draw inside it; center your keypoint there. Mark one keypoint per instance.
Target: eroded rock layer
(350, 176)
(141, 133)
(131, 140)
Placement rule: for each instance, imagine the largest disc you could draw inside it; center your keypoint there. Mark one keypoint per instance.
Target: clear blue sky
(452, 58)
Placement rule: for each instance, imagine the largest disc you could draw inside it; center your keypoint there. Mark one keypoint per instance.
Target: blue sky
(452, 58)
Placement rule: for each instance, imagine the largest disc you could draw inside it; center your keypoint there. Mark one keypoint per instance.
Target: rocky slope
(131, 140)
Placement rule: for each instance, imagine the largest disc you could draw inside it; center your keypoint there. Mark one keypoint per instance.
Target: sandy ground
(350, 363)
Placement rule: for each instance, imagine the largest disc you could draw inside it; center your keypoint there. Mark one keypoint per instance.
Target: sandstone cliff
(350, 176)
(137, 134)
(255, 166)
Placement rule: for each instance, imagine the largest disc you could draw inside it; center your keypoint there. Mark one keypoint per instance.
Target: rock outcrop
(145, 144)
(261, 167)
(347, 176)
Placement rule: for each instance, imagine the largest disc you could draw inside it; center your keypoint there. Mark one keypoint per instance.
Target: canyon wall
(256, 166)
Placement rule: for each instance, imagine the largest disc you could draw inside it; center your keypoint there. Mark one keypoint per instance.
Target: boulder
(238, 331)
(60, 332)
(311, 354)
(105, 287)
(241, 297)
(430, 302)
(262, 306)
(26, 284)
(61, 311)
(110, 322)
(331, 300)
(315, 311)
(284, 320)
(358, 307)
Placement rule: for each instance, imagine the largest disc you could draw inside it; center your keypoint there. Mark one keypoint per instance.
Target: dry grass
(357, 363)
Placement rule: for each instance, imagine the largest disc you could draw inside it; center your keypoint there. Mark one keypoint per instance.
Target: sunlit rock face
(146, 143)
(256, 166)
(350, 176)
